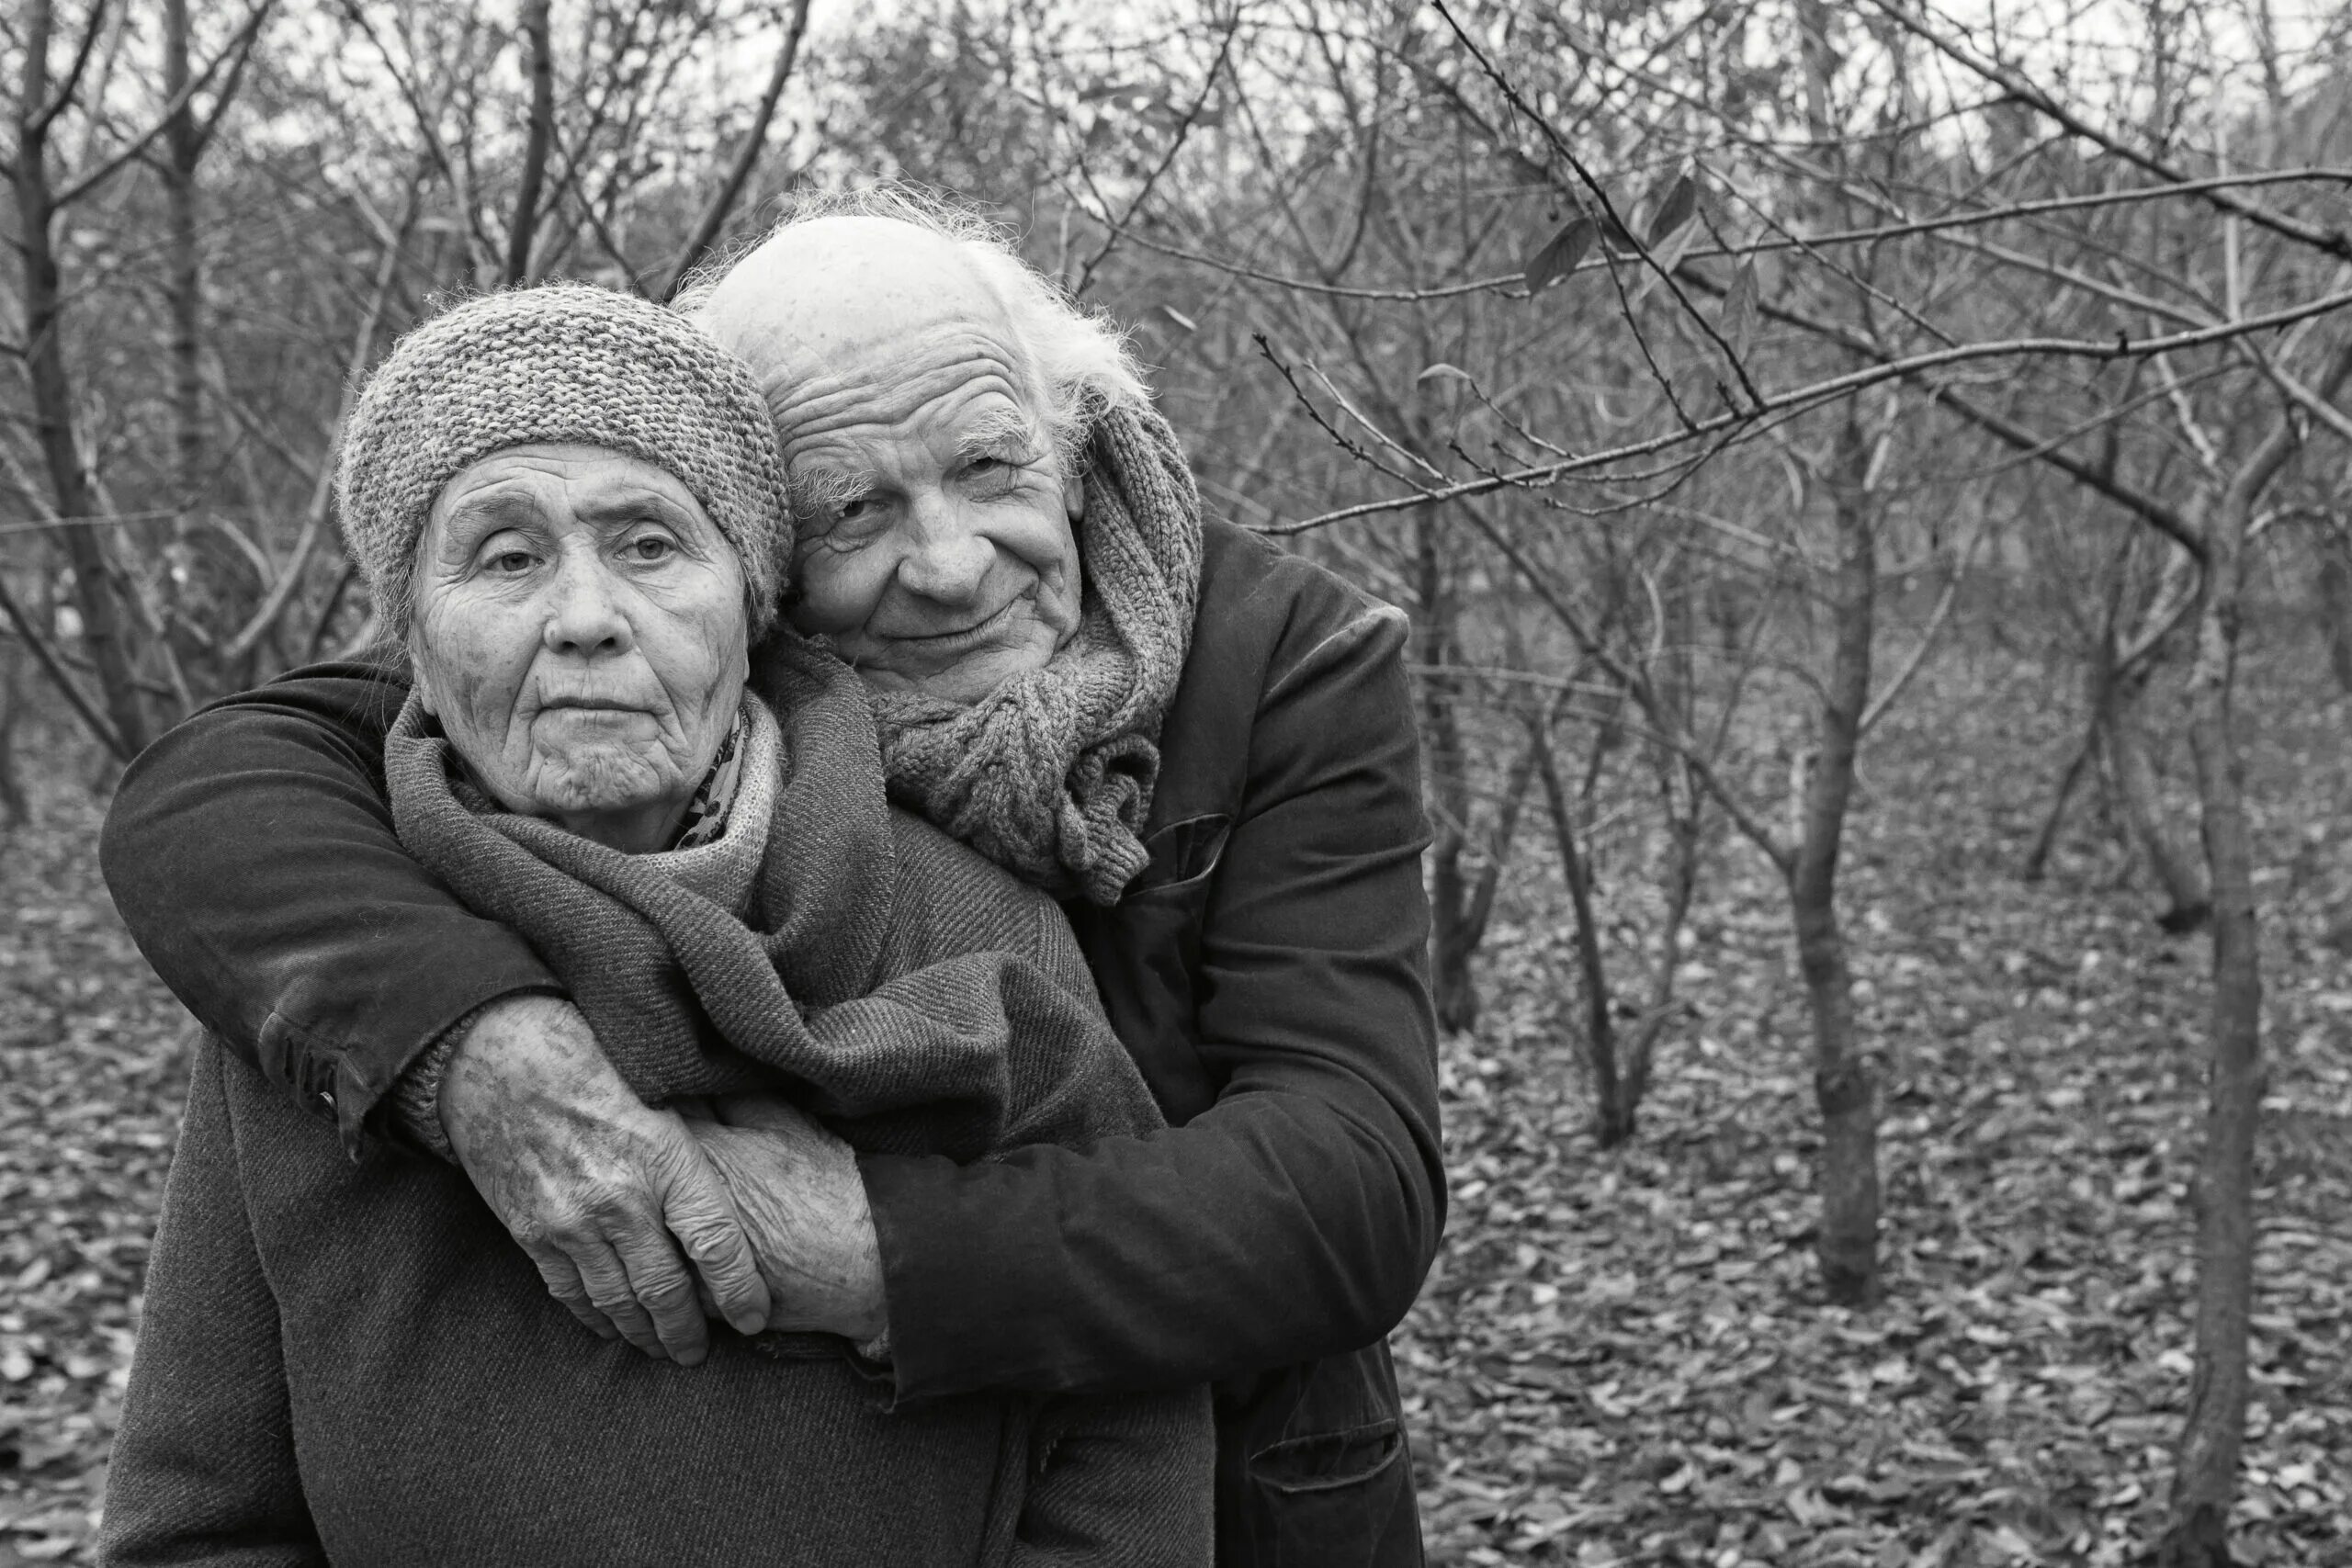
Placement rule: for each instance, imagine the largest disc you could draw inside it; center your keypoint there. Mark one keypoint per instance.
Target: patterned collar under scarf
(1050, 775)
(707, 813)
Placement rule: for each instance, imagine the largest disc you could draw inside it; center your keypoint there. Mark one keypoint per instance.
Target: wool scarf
(918, 998)
(1050, 775)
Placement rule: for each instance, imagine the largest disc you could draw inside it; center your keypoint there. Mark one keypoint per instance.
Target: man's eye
(851, 511)
(510, 563)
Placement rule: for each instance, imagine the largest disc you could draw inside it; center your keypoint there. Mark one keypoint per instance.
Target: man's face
(936, 548)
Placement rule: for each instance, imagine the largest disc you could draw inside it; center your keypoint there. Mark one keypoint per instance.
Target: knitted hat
(561, 363)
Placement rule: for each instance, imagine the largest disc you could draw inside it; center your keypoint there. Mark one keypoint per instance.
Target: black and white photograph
(1176, 783)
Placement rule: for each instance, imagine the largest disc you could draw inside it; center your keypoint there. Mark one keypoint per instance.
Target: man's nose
(584, 616)
(947, 558)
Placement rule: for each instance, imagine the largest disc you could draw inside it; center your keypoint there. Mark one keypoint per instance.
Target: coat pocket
(1337, 1499)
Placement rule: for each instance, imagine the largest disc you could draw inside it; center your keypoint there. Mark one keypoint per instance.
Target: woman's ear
(420, 678)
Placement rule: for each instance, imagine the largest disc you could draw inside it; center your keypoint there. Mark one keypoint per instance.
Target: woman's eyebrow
(621, 511)
(495, 512)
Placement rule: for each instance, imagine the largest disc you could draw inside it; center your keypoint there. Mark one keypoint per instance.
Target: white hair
(1075, 360)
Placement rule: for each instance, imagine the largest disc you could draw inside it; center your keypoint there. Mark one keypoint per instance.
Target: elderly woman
(569, 499)
(1203, 746)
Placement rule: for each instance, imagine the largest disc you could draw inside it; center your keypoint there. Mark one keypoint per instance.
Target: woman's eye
(508, 563)
(651, 548)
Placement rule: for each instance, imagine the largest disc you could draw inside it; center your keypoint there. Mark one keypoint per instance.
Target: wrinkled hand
(797, 1188)
(594, 1183)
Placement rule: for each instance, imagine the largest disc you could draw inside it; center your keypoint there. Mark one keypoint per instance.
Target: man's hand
(803, 1204)
(594, 1183)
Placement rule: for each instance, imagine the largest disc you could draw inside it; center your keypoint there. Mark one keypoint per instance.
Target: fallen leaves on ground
(92, 1067)
(1622, 1356)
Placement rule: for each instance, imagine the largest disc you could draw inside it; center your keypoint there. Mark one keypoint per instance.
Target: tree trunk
(2336, 606)
(539, 64)
(2037, 859)
(1451, 939)
(184, 282)
(14, 809)
(2213, 1439)
(1844, 1079)
(1454, 988)
(53, 396)
(2135, 783)
(1614, 1109)
(1684, 829)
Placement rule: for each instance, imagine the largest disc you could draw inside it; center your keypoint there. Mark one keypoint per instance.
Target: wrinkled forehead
(864, 317)
(562, 479)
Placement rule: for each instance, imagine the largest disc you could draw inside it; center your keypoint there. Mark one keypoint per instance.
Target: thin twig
(56, 672)
(1814, 393)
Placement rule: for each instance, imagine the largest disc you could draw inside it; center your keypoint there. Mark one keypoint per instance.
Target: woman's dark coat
(1268, 972)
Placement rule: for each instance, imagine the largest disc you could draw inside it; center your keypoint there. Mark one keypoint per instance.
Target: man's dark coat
(1268, 971)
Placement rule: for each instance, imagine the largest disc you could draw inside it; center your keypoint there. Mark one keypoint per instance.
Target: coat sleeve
(1296, 1216)
(251, 855)
(203, 1468)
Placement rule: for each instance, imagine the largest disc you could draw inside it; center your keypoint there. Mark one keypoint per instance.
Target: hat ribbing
(561, 363)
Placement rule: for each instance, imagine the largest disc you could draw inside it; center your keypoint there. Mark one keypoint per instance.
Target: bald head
(843, 294)
(934, 502)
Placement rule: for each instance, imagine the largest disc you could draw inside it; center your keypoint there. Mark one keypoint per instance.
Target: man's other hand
(594, 1184)
(803, 1204)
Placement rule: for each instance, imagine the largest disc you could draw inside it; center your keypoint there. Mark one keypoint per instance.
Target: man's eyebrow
(998, 432)
(816, 489)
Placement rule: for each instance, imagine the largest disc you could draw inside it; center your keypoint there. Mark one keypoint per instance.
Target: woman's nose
(584, 615)
(948, 558)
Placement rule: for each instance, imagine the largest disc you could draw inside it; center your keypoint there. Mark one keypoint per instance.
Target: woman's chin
(595, 783)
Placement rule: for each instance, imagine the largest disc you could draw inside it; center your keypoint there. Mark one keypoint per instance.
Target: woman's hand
(594, 1183)
(796, 1187)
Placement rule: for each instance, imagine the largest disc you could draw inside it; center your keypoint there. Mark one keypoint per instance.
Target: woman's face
(581, 635)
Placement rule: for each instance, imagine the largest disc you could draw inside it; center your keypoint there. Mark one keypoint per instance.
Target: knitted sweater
(352, 1361)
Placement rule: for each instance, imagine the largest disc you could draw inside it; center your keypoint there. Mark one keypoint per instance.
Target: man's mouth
(978, 631)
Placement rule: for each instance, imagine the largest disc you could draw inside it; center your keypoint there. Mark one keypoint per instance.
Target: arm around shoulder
(251, 855)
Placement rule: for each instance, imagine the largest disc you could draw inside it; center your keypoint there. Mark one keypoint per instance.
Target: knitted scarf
(893, 981)
(1051, 774)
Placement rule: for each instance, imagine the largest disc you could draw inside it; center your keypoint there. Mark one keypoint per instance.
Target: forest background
(1869, 484)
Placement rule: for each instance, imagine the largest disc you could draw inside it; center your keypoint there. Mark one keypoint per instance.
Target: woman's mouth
(593, 707)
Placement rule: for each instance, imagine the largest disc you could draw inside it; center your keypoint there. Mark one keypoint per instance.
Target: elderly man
(1202, 746)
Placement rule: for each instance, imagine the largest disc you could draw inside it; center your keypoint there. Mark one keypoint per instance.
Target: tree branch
(125, 154)
(2333, 241)
(56, 671)
(738, 171)
(1175, 145)
(37, 121)
(1888, 368)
